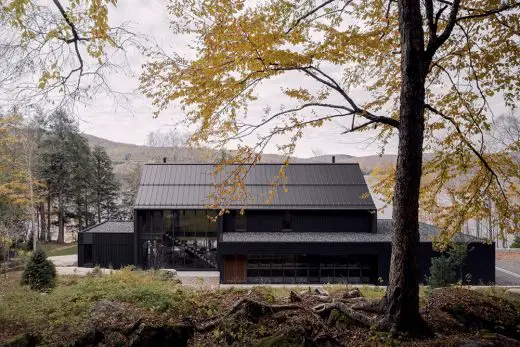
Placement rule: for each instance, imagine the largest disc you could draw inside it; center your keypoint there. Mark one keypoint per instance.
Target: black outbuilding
(108, 244)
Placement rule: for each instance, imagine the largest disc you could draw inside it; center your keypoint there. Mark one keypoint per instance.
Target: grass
(61, 313)
(54, 249)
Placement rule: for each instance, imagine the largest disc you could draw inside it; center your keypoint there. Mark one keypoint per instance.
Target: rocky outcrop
(117, 324)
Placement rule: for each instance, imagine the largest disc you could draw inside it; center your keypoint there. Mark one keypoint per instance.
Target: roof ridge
(257, 164)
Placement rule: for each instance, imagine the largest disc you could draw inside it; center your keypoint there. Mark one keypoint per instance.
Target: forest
(50, 178)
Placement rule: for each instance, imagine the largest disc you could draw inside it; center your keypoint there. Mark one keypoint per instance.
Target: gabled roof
(111, 227)
(309, 186)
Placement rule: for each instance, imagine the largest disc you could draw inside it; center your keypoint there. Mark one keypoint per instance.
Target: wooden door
(235, 268)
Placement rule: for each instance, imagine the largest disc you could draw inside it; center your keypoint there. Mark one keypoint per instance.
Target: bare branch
(358, 127)
(486, 13)
(308, 14)
(75, 35)
(469, 144)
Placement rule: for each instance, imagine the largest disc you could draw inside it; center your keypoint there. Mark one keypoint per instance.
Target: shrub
(516, 242)
(444, 269)
(39, 273)
(442, 272)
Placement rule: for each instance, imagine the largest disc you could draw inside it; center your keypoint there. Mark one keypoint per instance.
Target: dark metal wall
(106, 249)
(480, 262)
(305, 221)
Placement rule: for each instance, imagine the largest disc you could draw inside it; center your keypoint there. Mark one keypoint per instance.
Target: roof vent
(164, 160)
(333, 159)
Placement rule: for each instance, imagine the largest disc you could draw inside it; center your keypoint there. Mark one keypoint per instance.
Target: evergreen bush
(444, 269)
(39, 273)
(516, 242)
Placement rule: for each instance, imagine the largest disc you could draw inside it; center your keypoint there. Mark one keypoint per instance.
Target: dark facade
(320, 227)
(109, 244)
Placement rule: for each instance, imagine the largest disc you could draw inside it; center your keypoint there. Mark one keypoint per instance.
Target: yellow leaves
(300, 94)
(239, 46)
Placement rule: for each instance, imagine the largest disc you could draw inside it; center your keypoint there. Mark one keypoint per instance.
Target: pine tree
(40, 273)
(105, 188)
(63, 151)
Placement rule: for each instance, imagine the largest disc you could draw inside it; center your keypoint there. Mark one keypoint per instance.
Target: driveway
(507, 268)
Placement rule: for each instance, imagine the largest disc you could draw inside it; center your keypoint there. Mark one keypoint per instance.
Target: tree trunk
(61, 222)
(42, 222)
(402, 296)
(48, 234)
(98, 211)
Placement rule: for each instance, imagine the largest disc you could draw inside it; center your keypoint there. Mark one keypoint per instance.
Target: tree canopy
(430, 72)
(471, 66)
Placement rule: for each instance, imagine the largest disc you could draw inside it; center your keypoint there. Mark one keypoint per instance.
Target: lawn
(54, 249)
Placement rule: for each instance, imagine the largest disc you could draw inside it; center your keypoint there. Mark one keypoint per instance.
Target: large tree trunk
(402, 296)
(61, 222)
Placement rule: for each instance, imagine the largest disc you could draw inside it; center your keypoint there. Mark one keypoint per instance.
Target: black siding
(108, 249)
(480, 262)
(306, 221)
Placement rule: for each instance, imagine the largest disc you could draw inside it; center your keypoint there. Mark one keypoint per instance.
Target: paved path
(65, 260)
(507, 266)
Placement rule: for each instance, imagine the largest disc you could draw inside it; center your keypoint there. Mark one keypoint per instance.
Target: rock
(322, 292)
(513, 291)
(113, 323)
(354, 293)
(293, 297)
(24, 340)
(167, 275)
(147, 335)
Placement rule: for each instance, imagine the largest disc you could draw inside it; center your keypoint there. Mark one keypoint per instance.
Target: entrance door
(235, 267)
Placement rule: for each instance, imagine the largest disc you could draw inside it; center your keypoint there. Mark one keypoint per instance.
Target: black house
(320, 227)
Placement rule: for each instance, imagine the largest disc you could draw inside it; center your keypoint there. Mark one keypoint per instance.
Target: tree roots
(351, 305)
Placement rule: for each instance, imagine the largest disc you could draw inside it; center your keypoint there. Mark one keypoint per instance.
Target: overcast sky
(132, 120)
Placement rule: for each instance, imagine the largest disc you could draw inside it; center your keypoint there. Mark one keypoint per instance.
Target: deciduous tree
(430, 71)
(54, 53)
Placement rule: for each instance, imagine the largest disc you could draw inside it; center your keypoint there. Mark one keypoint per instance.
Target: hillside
(125, 156)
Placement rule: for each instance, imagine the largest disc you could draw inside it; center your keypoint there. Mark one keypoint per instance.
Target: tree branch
(358, 127)
(469, 144)
(76, 37)
(308, 14)
(436, 42)
(486, 13)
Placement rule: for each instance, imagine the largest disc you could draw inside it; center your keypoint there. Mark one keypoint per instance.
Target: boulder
(513, 291)
(113, 323)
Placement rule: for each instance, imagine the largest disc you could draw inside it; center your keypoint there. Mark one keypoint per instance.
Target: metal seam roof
(308, 186)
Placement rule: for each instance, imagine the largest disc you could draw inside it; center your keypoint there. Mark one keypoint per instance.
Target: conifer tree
(105, 187)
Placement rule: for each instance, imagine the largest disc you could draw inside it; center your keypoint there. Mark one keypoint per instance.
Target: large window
(180, 239)
(311, 269)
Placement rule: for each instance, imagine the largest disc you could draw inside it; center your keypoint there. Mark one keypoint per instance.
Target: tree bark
(42, 221)
(61, 222)
(402, 296)
(48, 234)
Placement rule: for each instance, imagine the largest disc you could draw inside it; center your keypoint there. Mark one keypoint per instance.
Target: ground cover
(136, 307)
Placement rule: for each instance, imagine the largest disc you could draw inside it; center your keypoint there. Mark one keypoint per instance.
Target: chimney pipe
(333, 159)
(164, 160)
